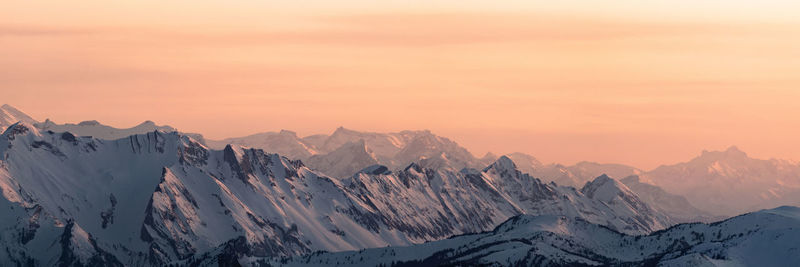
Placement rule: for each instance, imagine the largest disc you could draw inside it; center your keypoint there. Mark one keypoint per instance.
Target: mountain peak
(502, 164)
(506, 161)
(604, 187)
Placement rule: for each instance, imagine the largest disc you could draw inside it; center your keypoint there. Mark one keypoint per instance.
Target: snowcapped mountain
(383, 144)
(425, 145)
(10, 115)
(91, 194)
(395, 150)
(497, 192)
(675, 206)
(764, 238)
(582, 172)
(729, 182)
(726, 182)
(399, 149)
(618, 208)
(574, 175)
(156, 198)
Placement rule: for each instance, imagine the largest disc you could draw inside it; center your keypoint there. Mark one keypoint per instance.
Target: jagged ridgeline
(163, 197)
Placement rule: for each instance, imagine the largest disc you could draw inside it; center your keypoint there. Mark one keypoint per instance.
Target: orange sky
(635, 82)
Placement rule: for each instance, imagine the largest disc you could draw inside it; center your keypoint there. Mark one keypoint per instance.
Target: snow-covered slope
(158, 197)
(729, 182)
(619, 198)
(10, 115)
(604, 201)
(764, 238)
(472, 201)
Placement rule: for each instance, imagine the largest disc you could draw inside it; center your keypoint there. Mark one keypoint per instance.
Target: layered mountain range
(722, 183)
(729, 182)
(156, 198)
(90, 194)
(716, 183)
(345, 151)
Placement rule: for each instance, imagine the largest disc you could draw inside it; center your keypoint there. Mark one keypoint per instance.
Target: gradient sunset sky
(634, 82)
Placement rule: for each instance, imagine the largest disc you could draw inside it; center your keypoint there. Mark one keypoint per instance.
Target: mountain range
(91, 194)
(720, 183)
(156, 198)
(715, 184)
(394, 150)
(729, 182)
